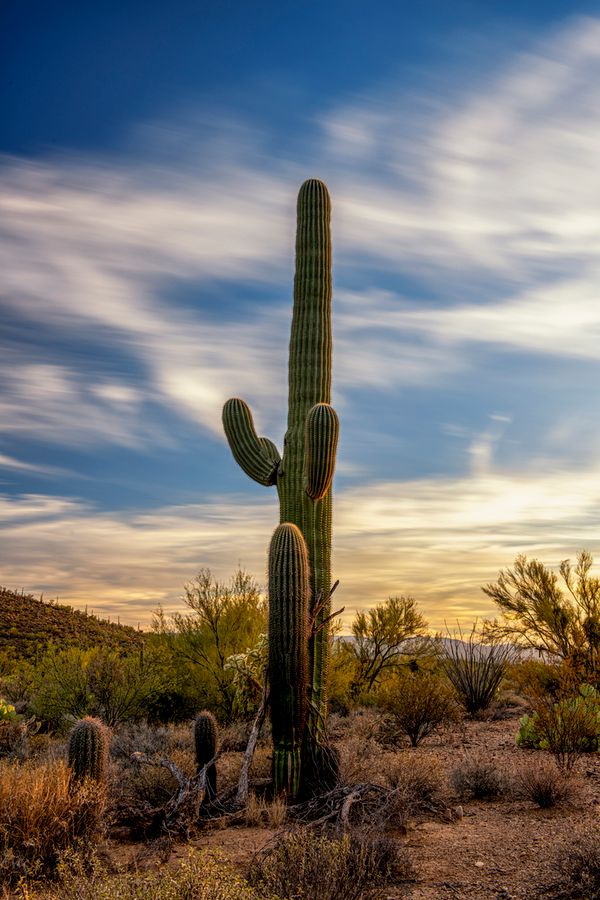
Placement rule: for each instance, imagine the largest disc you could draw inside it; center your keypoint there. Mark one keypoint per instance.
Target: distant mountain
(29, 625)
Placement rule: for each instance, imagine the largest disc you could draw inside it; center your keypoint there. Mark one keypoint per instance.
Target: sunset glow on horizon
(147, 237)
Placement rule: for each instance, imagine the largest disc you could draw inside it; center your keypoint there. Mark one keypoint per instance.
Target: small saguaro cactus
(88, 749)
(205, 744)
(303, 479)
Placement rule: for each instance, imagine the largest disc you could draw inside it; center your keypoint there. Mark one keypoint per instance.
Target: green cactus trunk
(88, 750)
(303, 476)
(309, 378)
(288, 653)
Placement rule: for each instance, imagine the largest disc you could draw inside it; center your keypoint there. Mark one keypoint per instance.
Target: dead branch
(191, 791)
(243, 784)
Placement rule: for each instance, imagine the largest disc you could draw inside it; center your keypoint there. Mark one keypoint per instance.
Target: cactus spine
(205, 744)
(303, 476)
(88, 750)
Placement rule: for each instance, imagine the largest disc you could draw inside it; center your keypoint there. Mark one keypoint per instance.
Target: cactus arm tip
(257, 456)
(321, 436)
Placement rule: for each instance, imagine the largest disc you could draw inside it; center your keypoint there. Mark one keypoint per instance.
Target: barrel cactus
(303, 477)
(88, 750)
(205, 744)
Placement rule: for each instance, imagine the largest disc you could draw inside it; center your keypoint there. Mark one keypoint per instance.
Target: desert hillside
(29, 625)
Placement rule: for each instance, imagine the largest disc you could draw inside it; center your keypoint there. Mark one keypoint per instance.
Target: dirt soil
(499, 849)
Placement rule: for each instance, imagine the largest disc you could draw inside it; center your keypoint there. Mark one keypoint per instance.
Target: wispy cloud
(496, 181)
(438, 539)
(470, 216)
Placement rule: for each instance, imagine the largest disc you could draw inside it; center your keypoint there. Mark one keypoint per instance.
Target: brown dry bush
(576, 869)
(421, 779)
(542, 782)
(478, 778)
(43, 814)
(355, 740)
(318, 867)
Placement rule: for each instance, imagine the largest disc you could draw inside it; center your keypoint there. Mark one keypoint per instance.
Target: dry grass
(200, 876)
(356, 741)
(42, 814)
(265, 813)
(541, 781)
(421, 779)
(576, 869)
(478, 778)
(317, 867)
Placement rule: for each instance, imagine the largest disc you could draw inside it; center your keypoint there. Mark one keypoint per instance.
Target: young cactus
(205, 743)
(88, 750)
(303, 479)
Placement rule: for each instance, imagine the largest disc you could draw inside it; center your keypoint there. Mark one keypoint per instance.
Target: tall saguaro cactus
(303, 478)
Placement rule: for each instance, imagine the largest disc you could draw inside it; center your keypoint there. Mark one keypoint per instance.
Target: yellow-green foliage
(201, 875)
(416, 705)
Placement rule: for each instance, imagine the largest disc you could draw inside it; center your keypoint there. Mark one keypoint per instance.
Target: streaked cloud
(438, 539)
(470, 215)
(498, 181)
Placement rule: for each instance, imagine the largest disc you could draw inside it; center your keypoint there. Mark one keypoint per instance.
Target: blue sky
(150, 158)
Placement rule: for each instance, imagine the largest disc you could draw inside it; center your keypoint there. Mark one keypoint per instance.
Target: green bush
(416, 705)
(566, 728)
(98, 682)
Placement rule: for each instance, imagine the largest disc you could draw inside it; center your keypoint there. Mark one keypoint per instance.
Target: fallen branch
(191, 790)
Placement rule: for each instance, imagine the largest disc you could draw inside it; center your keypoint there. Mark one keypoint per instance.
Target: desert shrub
(420, 779)
(542, 782)
(576, 869)
(223, 620)
(478, 778)
(138, 792)
(356, 739)
(99, 682)
(382, 636)
(317, 867)
(161, 740)
(532, 678)
(201, 876)
(415, 706)
(43, 814)
(14, 730)
(474, 668)
(537, 613)
(567, 728)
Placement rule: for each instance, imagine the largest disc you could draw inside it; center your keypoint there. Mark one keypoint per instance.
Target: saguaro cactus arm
(321, 436)
(257, 456)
